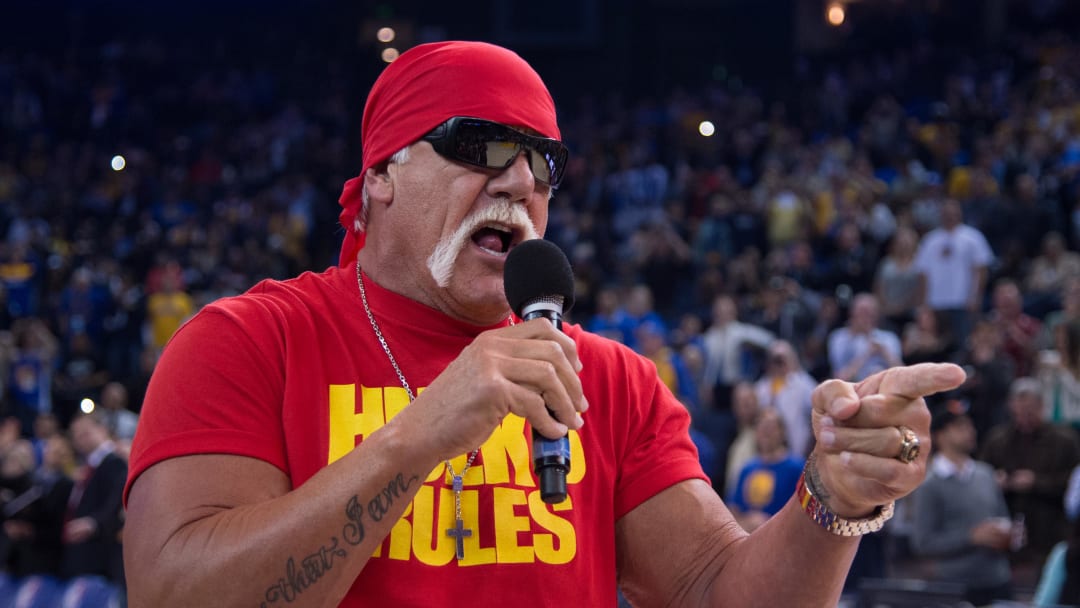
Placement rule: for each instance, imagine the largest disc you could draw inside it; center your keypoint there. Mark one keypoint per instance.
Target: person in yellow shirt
(166, 310)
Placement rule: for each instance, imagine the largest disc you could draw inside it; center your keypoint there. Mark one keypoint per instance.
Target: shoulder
(930, 237)
(984, 469)
(1063, 435)
(997, 437)
(304, 288)
(319, 293)
(113, 462)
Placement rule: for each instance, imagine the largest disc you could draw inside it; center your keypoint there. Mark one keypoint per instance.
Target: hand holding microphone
(539, 282)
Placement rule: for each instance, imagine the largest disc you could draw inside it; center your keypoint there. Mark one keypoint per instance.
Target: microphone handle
(551, 457)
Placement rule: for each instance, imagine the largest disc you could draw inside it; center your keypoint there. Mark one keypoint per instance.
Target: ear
(380, 186)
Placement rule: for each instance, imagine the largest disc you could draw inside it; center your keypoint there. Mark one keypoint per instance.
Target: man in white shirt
(860, 348)
(954, 259)
(724, 342)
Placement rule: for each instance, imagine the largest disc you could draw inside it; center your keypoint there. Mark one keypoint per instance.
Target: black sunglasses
(483, 143)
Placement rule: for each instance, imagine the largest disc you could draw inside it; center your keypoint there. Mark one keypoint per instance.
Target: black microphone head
(535, 269)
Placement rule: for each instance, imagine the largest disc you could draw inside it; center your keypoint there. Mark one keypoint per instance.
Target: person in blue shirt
(768, 479)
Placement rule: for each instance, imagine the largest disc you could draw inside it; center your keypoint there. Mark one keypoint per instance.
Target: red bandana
(431, 83)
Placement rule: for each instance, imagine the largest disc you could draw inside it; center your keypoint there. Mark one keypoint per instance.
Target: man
(1033, 460)
(961, 520)
(119, 420)
(1018, 330)
(92, 531)
(723, 343)
(861, 348)
(286, 453)
(955, 259)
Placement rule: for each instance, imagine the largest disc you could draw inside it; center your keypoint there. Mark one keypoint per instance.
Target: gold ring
(909, 445)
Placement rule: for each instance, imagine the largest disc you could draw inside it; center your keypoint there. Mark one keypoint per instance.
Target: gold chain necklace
(459, 531)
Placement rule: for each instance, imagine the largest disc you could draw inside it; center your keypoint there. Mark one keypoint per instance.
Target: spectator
(989, 374)
(786, 387)
(35, 518)
(786, 309)
(81, 376)
(1032, 460)
(1059, 372)
(961, 521)
(31, 371)
(745, 406)
(898, 284)
(851, 263)
(724, 344)
(83, 307)
(925, 339)
(21, 276)
(1059, 583)
(954, 259)
(1018, 330)
(1049, 274)
(860, 348)
(1069, 311)
(115, 415)
(91, 534)
(767, 481)
(636, 310)
(605, 319)
(167, 309)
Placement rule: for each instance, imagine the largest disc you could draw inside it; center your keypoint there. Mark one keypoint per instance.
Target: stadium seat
(90, 592)
(36, 592)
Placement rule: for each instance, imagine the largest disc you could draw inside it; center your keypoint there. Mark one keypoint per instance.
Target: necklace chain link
(408, 389)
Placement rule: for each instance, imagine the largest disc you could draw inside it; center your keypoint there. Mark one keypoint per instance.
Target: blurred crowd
(916, 205)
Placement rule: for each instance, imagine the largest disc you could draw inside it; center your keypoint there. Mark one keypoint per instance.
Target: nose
(515, 182)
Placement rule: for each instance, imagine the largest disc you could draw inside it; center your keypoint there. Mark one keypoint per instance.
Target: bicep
(174, 493)
(670, 547)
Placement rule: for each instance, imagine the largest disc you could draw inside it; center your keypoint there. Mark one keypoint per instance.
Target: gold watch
(826, 518)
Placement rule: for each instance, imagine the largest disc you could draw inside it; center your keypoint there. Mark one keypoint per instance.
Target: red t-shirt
(291, 373)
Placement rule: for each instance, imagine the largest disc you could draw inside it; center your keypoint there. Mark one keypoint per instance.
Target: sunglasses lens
(499, 154)
(489, 144)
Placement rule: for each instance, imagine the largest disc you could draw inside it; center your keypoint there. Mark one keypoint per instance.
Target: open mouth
(496, 238)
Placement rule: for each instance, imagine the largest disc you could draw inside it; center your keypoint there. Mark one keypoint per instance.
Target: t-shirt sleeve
(658, 452)
(216, 389)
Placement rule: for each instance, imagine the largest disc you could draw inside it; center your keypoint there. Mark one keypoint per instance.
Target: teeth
(500, 227)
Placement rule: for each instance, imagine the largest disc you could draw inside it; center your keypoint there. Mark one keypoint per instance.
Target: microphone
(539, 282)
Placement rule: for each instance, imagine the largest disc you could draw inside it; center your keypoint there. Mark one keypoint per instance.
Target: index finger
(913, 381)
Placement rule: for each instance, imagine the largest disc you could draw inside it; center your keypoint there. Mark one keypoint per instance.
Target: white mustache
(501, 211)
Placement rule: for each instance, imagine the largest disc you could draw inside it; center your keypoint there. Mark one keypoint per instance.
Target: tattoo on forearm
(353, 532)
(312, 568)
(381, 503)
(315, 566)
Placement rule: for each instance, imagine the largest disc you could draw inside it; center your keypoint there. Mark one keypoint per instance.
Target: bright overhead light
(836, 14)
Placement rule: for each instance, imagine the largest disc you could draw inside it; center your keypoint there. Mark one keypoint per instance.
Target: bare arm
(683, 547)
(724, 565)
(227, 531)
(978, 287)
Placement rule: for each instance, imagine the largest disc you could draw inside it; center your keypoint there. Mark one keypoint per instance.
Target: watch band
(840, 526)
